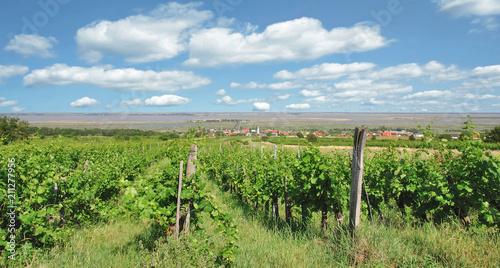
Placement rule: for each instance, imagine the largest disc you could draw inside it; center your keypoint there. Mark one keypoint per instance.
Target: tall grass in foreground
(394, 242)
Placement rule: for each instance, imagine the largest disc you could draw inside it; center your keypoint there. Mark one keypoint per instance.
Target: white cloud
(489, 23)
(7, 71)
(375, 102)
(410, 70)
(128, 79)
(320, 99)
(32, 45)
(284, 97)
(299, 39)
(300, 106)
(274, 86)
(325, 71)
(438, 72)
(483, 78)
(283, 86)
(221, 92)
(310, 93)
(227, 100)
(18, 109)
(7, 103)
(128, 103)
(261, 106)
(166, 100)
(84, 102)
(248, 85)
(432, 94)
(159, 35)
(459, 8)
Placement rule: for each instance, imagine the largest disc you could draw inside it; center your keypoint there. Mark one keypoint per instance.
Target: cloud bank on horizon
(396, 56)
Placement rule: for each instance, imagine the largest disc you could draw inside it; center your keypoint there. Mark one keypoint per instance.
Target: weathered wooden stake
(191, 169)
(177, 217)
(288, 212)
(357, 177)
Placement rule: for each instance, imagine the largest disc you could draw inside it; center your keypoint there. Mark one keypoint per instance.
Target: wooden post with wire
(177, 217)
(191, 169)
(357, 177)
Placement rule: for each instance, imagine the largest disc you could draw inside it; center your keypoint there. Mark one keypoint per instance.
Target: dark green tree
(13, 129)
(445, 136)
(300, 135)
(493, 135)
(311, 137)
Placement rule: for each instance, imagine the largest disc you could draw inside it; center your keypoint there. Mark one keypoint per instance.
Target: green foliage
(61, 185)
(493, 135)
(311, 137)
(169, 136)
(445, 137)
(12, 129)
(300, 135)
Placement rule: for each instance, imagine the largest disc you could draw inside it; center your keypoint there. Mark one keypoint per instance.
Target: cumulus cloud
(32, 45)
(221, 92)
(7, 103)
(369, 88)
(284, 97)
(483, 78)
(248, 85)
(261, 106)
(273, 86)
(299, 39)
(431, 94)
(227, 100)
(283, 86)
(7, 71)
(18, 109)
(128, 103)
(325, 71)
(84, 102)
(300, 106)
(459, 8)
(159, 35)
(166, 100)
(310, 93)
(128, 79)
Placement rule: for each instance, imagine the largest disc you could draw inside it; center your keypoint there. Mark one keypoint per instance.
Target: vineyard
(54, 188)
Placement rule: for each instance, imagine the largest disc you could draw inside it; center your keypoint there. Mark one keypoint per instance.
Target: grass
(105, 245)
(394, 242)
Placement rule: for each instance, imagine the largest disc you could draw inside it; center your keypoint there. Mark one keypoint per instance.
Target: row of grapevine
(57, 186)
(309, 180)
(447, 183)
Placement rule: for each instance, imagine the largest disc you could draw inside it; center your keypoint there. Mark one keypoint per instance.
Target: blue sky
(242, 56)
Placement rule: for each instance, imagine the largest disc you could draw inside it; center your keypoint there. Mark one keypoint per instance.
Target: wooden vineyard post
(191, 169)
(288, 212)
(357, 177)
(177, 217)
